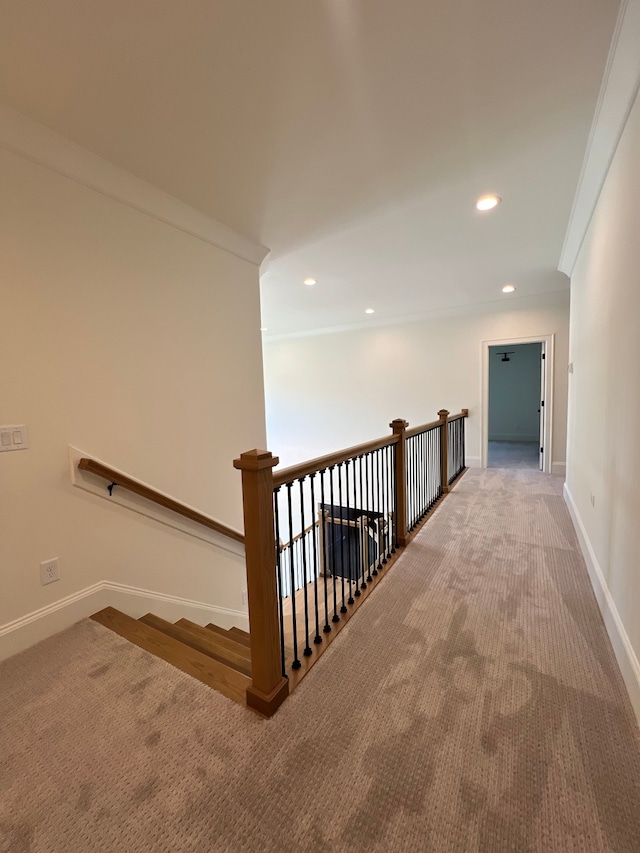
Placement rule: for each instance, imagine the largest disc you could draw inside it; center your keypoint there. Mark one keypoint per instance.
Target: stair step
(240, 635)
(205, 668)
(223, 644)
(206, 644)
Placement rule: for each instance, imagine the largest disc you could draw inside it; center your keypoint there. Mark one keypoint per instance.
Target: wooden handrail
(424, 427)
(314, 465)
(150, 494)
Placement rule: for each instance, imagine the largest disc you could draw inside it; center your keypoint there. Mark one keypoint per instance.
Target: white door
(543, 371)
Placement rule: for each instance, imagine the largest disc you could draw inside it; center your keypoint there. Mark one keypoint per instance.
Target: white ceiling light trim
(508, 288)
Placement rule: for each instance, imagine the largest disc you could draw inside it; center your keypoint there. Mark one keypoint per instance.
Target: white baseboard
(624, 651)
(559, 468)
(473, 462)
(36, 626)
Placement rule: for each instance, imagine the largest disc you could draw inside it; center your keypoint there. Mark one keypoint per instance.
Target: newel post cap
(255, 460)
(399, 424)
(443, 414)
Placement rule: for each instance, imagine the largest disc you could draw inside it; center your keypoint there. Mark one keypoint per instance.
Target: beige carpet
(473, 705)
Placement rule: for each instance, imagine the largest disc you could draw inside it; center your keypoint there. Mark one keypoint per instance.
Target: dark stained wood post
(269, 688)
(399, 427)
(443, 414)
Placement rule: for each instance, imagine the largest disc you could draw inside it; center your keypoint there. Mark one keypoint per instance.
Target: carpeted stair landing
(473, 704)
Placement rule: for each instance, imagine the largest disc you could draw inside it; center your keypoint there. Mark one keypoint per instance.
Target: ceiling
(351, 137)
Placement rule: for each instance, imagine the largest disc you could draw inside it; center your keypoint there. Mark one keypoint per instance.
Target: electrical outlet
(50, 571)
(244, 597)
(593, 500)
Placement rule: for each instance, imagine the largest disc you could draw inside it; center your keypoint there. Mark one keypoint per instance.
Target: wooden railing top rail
(463, 414)
(424, 427)
(150, 494)
(287, 475)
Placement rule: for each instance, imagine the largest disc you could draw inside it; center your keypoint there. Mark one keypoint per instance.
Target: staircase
(219, 658)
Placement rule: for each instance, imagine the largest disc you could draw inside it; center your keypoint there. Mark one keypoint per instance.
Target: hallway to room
(473, 704)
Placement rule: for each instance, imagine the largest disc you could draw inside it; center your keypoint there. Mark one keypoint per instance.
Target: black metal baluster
(355, 536)
(315, 532)
(411, 486)
(383, 508)
(372, 491)
(279, 579)
(363, 529)
(322, 520)
(335, 617)
(348, 536)
(294, 618)
(379, 505)
(412, 481)
(343, 562)
(367, 486)
(418, 480)
(394, 501)
(305, 573)
(390, 515)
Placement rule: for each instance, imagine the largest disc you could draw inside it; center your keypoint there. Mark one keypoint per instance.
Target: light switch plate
(13, 437)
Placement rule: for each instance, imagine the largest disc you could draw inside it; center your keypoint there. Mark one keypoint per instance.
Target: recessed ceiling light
(508, 288)
(370, 311)
(310, 281)
(488, 202)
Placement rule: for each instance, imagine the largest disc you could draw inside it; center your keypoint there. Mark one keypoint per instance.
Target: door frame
(549, 341)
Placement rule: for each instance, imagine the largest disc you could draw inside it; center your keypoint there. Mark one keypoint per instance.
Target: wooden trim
(463, 413)
(444, 451)
(287, 475)
(152, 495)
(423, 428)
(268, 688)
(399, 428)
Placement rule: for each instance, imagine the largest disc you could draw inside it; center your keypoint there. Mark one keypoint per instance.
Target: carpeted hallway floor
(473, 705)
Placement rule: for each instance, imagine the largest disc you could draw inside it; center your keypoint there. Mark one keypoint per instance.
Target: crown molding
(617, 96)
(36, 143)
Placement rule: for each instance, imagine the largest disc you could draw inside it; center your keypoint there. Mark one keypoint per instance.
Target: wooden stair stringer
(203, 667)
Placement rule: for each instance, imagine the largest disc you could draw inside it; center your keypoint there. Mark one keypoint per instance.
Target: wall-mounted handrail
(280, 478)
(118, 479)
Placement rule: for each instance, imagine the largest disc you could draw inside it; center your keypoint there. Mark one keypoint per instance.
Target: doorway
(517, 403)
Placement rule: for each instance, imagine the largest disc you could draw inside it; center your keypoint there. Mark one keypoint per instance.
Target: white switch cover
(13, 437)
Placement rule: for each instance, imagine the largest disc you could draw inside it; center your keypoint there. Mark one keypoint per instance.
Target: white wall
(514, 393)
(330, 391)
(604, 401)
(138, 343)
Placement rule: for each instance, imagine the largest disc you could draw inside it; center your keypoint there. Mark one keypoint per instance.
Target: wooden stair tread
(227, 635)
(205, 668)
(206, 644)
(223, 643)
(240, 635)
(221, 639)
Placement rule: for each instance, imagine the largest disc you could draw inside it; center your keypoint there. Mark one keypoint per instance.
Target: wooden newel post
(400, 484)
(443, 414)
(268, 688)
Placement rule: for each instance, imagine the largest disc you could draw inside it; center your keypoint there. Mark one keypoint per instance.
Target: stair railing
(320, 535)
